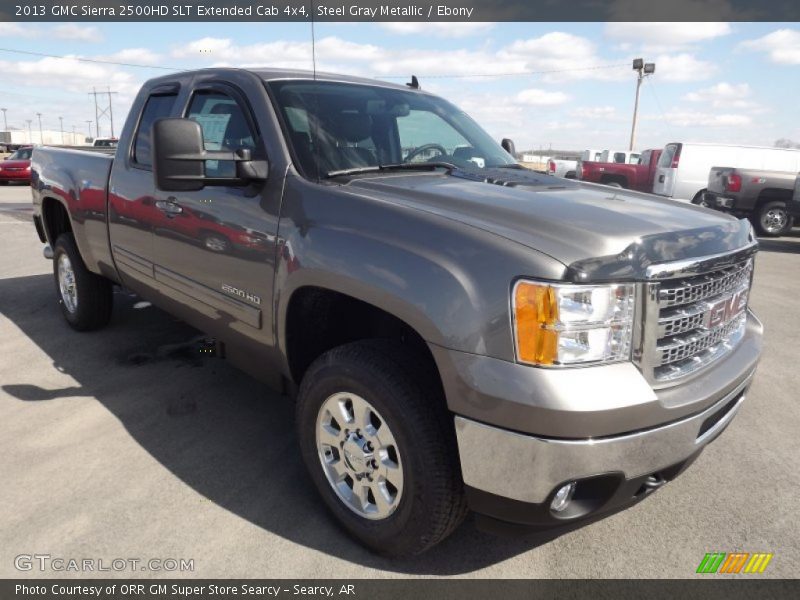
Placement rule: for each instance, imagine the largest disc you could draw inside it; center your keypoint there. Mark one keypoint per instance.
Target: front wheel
(773, 219)
(380, 446)
(85, 298)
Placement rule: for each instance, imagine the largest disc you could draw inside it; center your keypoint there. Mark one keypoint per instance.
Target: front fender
(447, 280)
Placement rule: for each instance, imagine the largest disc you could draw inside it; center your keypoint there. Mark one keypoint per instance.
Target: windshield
(21, 154)
(335, 127)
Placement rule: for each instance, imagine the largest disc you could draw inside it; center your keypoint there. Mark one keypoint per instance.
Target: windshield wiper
(429, 166)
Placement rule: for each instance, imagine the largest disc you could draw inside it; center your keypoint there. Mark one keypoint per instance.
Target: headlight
(556, 324)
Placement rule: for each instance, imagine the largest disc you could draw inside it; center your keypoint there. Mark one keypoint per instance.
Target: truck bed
(80, 178)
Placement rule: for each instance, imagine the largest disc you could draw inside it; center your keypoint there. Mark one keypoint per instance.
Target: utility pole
(643, 70)
(61, 128)
(41, 134)
(90, 128)
(5, 122)
(102, 112)
(73, 136)
(30, 133)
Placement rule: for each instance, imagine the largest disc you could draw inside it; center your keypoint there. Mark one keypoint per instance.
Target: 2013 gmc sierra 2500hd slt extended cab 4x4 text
(459, 332)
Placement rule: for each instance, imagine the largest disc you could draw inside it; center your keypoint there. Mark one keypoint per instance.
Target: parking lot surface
(128, 443)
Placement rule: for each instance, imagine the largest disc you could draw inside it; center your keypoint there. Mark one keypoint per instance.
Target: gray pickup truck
(459, 333)
(762, 196)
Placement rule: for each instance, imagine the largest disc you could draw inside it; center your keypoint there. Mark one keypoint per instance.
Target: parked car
(636, 177)
(762, 196)
(683, 168)
(17, 167)
(105, 142)
(455, 337)
(562, 167)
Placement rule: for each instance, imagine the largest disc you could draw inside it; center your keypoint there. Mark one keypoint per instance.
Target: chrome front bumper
(528, 468)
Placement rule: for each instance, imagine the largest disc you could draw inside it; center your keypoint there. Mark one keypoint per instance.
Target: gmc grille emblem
(723, 311)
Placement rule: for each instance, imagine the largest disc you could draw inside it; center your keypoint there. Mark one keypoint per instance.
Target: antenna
(414, 83)
(313, 43)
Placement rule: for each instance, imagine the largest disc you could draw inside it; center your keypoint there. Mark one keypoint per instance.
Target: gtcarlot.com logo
(734, 562)
(46, 562)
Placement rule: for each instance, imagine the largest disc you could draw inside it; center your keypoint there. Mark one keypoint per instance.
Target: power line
(91, 60)
(510, 74)
(651, 86)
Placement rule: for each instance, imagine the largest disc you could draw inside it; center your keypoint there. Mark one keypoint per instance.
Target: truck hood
(598, 232)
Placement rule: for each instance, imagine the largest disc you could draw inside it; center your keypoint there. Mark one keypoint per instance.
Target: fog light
(562, 497)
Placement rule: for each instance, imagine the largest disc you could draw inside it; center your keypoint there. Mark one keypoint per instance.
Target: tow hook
(48, 252)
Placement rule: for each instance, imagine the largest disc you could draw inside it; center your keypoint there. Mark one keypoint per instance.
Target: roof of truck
(278, 74)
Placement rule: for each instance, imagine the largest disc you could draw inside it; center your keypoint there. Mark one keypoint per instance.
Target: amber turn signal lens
(535, 311)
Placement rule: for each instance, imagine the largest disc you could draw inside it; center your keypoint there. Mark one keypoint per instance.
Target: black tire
(408, 396)
(773, 219)
(94, 293)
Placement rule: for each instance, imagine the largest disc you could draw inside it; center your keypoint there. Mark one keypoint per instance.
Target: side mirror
(179, 158)
(508, 146)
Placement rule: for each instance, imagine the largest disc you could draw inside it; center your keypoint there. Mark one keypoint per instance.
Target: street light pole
(30, 132)
(41, 134)
(643, 70)
(90, 128)
(61, 128)
(5, 122)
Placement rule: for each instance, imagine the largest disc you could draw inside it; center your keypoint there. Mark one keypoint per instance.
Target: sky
(560, 85)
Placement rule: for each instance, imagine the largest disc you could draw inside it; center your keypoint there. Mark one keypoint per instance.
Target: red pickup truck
(635, 177)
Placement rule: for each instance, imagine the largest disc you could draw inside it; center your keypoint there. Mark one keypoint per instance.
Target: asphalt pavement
(128, 443)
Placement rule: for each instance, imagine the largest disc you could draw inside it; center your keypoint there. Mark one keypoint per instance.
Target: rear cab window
(158, 106)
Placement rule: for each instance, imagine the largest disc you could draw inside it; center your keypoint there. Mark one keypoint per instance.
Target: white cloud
(135, 56)
(438, 29)
(725, 95)
(682, 67)
(782, 46)
(684, 118)
(75, 32)
(665, 36)
(535, 97)
(594, 112)
(10, 30)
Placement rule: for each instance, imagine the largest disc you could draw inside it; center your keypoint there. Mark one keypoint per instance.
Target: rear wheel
(85, 298)
(380, 446)
(773, 219)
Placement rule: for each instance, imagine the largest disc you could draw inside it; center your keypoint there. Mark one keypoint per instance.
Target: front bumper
(605, 428)
(20, 176)
(511, 478)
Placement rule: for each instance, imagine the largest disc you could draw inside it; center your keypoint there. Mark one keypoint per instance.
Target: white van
(682, 170)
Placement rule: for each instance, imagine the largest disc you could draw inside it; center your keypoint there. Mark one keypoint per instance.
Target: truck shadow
(222, 433)
(788, 244)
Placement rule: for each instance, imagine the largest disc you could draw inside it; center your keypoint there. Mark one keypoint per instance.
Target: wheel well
(319, 320)
(772, 194)
(614, 179)
(55, 218)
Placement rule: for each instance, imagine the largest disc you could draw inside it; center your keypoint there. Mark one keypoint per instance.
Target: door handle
(169, 206)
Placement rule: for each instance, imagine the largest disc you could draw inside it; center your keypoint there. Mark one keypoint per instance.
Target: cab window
(158, 106)
(225, 128)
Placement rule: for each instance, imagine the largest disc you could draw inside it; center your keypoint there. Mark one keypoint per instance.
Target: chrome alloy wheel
(359, 455)
(66, 283)
(774, 220)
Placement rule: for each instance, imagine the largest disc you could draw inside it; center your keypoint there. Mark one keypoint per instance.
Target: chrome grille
(694, 316)
(705, 286)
